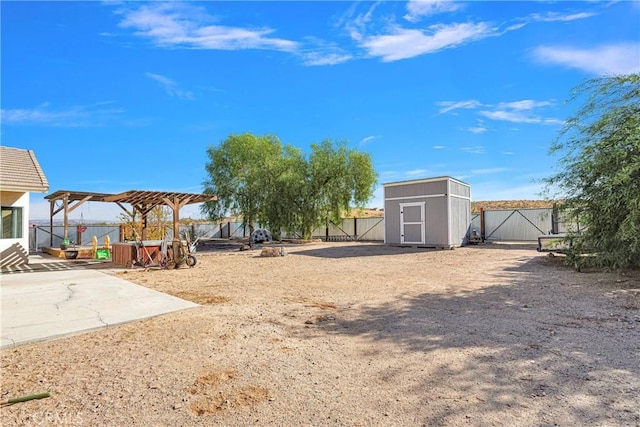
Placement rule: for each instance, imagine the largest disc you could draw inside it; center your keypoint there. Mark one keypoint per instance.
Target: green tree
(599, 177)
(158, 220)
(264, 181)
(239, 171)
(321, 188)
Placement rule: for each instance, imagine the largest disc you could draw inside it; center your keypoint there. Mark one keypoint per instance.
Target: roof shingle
(20, 171)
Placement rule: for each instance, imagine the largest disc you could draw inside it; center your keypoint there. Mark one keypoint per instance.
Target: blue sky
(117, 96)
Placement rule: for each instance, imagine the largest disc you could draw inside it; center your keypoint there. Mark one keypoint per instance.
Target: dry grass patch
(200, 297)
(325, 305)
(214, 394)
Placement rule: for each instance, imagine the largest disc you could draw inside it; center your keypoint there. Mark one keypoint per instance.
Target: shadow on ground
(560, 337)
(351, 249)
(61, 265)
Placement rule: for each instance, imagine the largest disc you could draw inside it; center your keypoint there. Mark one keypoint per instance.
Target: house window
(11, 222)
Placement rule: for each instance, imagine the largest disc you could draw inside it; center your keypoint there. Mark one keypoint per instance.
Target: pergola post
(65, 204)
(145, 223)
(175, 206)
(51, 213)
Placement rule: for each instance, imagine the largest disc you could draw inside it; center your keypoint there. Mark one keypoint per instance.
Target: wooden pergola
(141, 201)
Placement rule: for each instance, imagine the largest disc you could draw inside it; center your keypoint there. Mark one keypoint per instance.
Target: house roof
(20, 171)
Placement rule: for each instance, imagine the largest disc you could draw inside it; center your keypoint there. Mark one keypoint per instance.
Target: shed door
(412, 223)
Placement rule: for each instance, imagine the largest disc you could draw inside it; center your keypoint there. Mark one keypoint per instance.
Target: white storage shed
(431, 212)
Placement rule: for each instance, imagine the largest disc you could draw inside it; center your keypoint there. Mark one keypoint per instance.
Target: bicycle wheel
(191, 261)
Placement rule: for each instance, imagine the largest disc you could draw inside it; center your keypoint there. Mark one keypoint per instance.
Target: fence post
(35, 238)
(355, 228)
(482, 224)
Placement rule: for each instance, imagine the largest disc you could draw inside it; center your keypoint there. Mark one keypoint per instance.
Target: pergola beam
(141, 201)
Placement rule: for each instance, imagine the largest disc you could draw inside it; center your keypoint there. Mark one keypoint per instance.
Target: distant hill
(510, 204)
(72, 222)
(365, 213)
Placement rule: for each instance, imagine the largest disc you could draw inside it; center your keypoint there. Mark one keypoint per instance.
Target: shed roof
(418, 181)
(20, 171)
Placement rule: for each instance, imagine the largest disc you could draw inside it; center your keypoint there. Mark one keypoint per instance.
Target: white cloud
(488, 171)
(356, 25)
(407, 43)
(439, 147)
(367, 139)
(478, 149)
(477, 129)
(517, 116)
(448, 106)
(170, 86)
(182, 25)
(525, 104)
(415, 172)
(515, 27)
(515, 111)
(622, 58)
(416, 9)
(510, 116)
(325, 58)
(76, 116)
(559, 17)
(523, 111)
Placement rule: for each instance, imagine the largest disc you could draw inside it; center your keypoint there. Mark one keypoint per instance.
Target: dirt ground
(352, 335)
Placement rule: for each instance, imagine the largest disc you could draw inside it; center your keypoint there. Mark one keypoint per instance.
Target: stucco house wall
(20, 174)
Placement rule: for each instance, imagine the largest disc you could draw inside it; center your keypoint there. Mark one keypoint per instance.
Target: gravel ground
(351, 335)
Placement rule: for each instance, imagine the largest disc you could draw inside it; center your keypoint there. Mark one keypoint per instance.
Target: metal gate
(516, 224)
(412, 223)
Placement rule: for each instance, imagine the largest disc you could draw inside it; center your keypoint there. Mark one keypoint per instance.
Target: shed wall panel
(392, 221)
(416, 189)
(437, 218)
(459, 189)
(460, 221)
